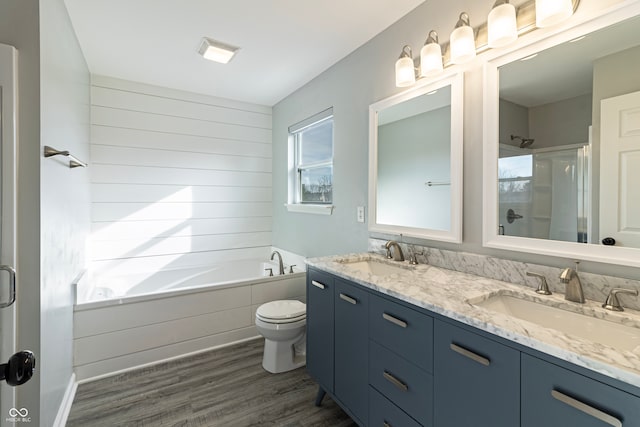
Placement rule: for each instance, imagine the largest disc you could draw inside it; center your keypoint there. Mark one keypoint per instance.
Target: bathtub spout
(280, 265)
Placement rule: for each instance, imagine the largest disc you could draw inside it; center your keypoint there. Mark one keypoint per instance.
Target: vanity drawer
(407, 332)
(383, 413)
(404, 384)
(555, 397)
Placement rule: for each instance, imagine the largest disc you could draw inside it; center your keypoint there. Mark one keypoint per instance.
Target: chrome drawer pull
(348, 299)
(589, 410)
(471, 355)
(396, 382)
(394, 320)
(317, 284)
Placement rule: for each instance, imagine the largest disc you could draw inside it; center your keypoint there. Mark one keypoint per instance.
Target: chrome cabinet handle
(12, 285)
(348, 299)
(318, 284)
(396, 382)
(386, 424)
(394, 320)
(589, 410)
(470, 354)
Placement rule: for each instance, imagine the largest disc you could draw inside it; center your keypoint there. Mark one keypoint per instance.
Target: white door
(8, 121)
(620, 169)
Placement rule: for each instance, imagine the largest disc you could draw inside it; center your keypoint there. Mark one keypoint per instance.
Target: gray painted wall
(19, 27)
(64, 198)
(350, 86)
(561, 123)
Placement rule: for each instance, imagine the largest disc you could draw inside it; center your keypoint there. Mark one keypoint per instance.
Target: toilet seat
(283, 311)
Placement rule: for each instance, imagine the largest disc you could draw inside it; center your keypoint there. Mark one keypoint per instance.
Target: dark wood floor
(226, 387)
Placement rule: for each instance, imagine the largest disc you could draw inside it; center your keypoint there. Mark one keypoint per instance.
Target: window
(515, 176)
(311, 163)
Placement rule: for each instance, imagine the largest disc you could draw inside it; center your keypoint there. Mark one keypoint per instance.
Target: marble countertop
(451, 294)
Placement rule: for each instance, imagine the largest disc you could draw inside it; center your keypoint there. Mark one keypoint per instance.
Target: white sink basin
(613, 334)
(374, 267)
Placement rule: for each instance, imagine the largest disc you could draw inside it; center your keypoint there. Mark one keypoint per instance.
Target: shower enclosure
(544, 193)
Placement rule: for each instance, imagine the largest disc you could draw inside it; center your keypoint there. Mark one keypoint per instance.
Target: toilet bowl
(283, 325)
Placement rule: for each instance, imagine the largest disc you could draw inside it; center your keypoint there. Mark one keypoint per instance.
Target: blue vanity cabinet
(400, 363)
(476, 380)
(351, 303)
(556, 397)
(320, 328)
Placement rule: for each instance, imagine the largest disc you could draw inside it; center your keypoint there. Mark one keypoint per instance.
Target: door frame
(8, 142)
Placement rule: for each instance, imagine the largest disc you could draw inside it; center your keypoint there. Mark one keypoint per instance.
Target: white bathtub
(232, 273)
(125, 321)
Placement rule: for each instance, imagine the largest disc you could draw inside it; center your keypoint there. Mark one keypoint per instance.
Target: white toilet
(283, 325)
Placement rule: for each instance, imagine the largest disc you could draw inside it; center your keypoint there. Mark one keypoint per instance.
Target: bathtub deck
(225, 387)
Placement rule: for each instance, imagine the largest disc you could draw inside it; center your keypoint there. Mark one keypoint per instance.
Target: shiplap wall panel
(144, 247)
(167, 169)
(167, 228)
(106, 154)
(167, 106)
(136, 193)
(138, 359)
(110, 174)
(177, 211)
(179, 125)
(120, 266)
(113, 318)
(137, 87)
(123, 137)
(109, 345)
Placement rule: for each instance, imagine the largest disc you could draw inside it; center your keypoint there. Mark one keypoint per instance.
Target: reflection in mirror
(551, 169)
(415, 162)
(562, 143)
(414, 150)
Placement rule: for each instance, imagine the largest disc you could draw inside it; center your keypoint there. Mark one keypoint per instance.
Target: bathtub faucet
(280, 265)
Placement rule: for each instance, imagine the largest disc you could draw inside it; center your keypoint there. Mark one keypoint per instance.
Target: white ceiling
(283, 43)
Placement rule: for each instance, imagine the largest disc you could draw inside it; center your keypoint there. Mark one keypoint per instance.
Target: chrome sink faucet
(280, 265)
(573, 291)
(397, 252)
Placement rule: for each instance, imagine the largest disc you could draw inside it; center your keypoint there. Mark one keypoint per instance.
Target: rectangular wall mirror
(415, 162)
(562, 144)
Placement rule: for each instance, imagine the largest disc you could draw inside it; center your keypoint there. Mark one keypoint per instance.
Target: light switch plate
(360, 213)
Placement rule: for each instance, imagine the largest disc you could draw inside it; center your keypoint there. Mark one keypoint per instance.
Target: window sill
(310, 209)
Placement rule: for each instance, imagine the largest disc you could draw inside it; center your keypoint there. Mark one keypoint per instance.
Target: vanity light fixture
(501, 24)
(431, 56)
(405, 70)
(504, 25)
(551, 12)
(214, 50)
(463, 42)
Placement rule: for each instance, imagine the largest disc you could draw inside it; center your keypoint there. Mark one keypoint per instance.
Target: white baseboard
(67, 401)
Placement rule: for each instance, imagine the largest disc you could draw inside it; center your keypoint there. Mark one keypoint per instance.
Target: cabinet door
(476, 380)
(556, 397)
(351, 384)
(320, 328)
